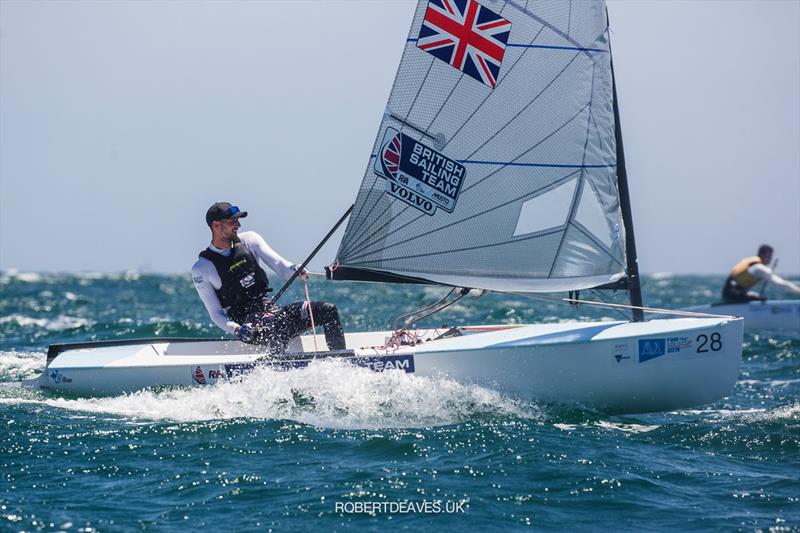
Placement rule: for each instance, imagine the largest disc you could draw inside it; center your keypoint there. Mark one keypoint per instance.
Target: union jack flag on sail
(466, 35)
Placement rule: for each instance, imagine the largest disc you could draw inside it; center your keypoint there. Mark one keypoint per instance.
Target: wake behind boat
(617, 366)
(498, 166)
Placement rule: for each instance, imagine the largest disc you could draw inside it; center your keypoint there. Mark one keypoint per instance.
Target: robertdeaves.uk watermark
(401, 507)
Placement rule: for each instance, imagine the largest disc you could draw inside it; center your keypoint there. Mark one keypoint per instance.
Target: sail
(495, 163)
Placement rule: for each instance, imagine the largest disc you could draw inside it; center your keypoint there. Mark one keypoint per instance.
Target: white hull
(619, 366)
(772, 315)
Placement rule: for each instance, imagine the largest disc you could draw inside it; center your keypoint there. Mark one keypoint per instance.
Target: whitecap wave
(12, 274)
(59, 323)
(753, 414)
(15, 366)
(660, 275)
(626, 427)
(774, 414)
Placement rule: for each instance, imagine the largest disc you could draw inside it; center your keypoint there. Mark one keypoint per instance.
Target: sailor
(750, 271)
(234, 287)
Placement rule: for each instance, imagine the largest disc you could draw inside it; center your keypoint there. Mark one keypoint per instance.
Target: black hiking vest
(244, 283)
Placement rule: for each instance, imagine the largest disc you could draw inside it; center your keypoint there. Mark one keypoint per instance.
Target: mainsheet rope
(307, 304)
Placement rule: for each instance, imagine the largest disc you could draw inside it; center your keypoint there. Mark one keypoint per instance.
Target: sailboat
(498, 166)
(774, 316)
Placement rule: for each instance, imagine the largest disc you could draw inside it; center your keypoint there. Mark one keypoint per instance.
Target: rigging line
(399, 335)
(310, 315)
(363, 253)
(655, 310)
(398, 319)
(378, 141)
(581, 180)
(380, 129)
(468, 248)
(442, 308)
(364, 243)
(606, 299)
(588, 234)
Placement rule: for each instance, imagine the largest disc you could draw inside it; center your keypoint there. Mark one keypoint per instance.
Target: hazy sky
(121, 122)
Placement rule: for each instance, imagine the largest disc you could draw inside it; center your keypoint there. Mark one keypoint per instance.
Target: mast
(634, 287)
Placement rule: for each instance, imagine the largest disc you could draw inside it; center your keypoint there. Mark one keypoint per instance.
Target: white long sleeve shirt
(765, 273)
(207, 281)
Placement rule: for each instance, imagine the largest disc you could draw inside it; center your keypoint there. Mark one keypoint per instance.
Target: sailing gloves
(245, 332)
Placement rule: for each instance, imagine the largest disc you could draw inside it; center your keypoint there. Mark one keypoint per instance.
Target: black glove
(245, 332)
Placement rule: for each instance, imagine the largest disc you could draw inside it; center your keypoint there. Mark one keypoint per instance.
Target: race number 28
(703, 343)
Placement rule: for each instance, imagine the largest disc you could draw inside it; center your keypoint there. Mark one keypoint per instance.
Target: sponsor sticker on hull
(374, 363)
(209, 376)
(57, 377)
(678, 344)
(622, 353)
(391, 362)
(652, 348)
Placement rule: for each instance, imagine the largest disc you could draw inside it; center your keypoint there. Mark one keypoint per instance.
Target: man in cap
(750, 271)
(234, 287)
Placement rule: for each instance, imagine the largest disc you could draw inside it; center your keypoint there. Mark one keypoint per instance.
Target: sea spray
(328, 394)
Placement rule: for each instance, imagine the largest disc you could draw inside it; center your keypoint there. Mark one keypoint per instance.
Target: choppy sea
(333, 447)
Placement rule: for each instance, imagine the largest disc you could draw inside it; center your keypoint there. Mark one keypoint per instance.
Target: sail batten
(494, 106)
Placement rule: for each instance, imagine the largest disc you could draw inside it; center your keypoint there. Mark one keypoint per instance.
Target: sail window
(592, 216)
(547, 210)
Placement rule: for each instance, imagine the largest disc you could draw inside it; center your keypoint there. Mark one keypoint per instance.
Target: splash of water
(327, 394)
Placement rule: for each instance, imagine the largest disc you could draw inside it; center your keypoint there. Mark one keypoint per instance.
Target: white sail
(495, 163)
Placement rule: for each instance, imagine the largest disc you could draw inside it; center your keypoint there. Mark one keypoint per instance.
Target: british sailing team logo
(214, 375)
(199, 377)
(417, 174)
(467, 36)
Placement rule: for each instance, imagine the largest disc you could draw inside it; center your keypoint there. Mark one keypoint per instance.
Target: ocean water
(333, 447)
